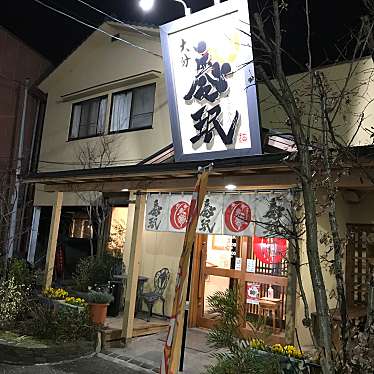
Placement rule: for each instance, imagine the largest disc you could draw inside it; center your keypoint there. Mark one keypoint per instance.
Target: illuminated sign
(211, 86)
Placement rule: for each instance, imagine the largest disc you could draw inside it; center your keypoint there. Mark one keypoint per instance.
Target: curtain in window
(89, 118)
(74, 131)
(142, 106)
(102, 114)
(121, 109)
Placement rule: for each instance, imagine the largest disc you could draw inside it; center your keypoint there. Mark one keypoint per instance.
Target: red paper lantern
(269, 250)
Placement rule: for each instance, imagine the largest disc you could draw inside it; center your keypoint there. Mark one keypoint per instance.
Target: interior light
(230, 187)
(124, 189)
(146, 5)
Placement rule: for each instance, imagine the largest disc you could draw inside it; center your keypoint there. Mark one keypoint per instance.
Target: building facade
(21, 109)
(107, 130)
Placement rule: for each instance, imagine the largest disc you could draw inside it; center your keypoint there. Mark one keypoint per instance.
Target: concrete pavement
(91, 365)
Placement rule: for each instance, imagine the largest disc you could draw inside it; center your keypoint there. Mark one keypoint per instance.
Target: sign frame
(204, 16)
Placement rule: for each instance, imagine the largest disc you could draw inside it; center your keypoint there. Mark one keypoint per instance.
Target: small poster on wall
(238, 263)
(253, 293)
(251, 265)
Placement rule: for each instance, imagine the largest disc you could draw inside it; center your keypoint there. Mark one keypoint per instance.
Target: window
(88, 118)
(133, 109)
(80, 227)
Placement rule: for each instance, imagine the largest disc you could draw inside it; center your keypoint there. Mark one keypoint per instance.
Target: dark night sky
(55, 36)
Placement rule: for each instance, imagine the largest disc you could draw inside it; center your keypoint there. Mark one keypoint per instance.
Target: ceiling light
(146, 5)
(230, 187)
(124, 189)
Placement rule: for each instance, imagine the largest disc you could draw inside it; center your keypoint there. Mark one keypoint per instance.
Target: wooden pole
(52, 241)
(133, 268)
(172, 347)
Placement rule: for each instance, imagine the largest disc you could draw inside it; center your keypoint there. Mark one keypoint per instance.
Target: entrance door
(223, 264)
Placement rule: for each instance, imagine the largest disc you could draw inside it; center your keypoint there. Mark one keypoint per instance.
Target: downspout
(15, 197)
(27, 186)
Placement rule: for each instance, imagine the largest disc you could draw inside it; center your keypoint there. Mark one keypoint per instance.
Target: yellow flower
(257, 344)
(77, 301)
(287, 350)
(55, 293)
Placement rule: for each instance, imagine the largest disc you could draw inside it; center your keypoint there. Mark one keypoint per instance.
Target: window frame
(110, 132)
(70, 138)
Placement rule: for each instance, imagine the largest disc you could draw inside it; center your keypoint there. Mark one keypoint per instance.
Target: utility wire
(97, 29)
(115, 19)
(80, 164)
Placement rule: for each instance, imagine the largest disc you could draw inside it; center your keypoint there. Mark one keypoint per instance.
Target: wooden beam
(216, 183)
(52, 241)
(248, 277)
(133, 267)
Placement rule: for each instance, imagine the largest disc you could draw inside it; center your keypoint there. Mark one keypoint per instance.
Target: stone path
(92, 365)
(146, 353)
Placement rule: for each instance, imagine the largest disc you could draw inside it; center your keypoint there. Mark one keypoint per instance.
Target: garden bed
(27, 350)
(290, 365)
(56, 304)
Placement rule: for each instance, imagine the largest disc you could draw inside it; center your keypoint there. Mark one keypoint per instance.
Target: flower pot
(98, 313)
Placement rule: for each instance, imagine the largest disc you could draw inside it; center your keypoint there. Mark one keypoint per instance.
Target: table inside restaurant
(141, 280)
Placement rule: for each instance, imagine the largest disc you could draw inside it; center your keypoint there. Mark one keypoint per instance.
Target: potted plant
(98, 304)
(76, 302)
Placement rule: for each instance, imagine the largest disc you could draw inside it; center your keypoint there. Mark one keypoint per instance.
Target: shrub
(21, 272)
(63, 325)
(13, 299)
(95, 297)
(83, 274)
(238, 357)
(73, 325)
(93, 270)
(243, 361)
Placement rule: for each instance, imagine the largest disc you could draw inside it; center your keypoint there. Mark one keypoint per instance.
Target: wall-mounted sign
(251, 265)
(221, 214)
(211, 85)
(253, 293)
(238, 263)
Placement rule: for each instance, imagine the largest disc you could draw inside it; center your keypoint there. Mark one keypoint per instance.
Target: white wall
(96, 62)
(359, 99)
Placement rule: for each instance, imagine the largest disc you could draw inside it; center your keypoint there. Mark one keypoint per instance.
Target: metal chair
(161, 281)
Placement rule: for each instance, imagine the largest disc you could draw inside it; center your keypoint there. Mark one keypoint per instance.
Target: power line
(115, 19)
(97, 29)
(80, 164)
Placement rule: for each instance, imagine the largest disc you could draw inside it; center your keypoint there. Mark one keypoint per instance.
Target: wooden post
(133, 268)
(52, 241)
(194, 296)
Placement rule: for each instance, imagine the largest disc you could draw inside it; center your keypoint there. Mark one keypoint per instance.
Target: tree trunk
(370, 308)
(291, 296)
(315, 267)
(337, 243)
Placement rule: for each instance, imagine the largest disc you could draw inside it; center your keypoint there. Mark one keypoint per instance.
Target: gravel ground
(93, 365)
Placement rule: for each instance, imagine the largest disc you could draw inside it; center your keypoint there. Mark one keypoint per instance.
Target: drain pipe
(15, 197)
